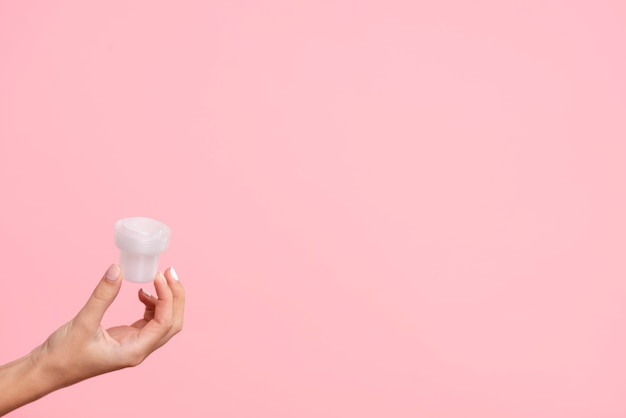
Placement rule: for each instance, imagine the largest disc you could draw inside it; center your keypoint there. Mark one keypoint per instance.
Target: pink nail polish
(112, 272)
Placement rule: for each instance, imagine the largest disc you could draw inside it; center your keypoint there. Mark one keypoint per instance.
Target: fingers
(162, 320)
(164, 307)
(103, 295)
(165, 313)
(150, 302)
(178, 293)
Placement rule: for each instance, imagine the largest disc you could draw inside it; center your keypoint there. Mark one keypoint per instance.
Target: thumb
(102, 297)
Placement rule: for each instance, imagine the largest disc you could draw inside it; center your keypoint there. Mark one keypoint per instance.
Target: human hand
(82, 349)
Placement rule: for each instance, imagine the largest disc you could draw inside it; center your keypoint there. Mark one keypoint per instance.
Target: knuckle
(168, 323)
(79, 324)
(100, 294)
(179, 294)
(135, 358)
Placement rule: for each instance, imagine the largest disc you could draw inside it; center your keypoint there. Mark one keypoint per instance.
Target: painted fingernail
(173, 274)
(112, 273)
(161, 277)
(146, 293)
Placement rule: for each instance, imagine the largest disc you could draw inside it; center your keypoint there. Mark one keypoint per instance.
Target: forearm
(22, 381)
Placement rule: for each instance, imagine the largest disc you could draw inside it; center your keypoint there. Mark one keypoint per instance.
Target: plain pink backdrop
(379, 208)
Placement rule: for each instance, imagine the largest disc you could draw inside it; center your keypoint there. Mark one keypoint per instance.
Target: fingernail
(173, 274)
(112, 273)
(146, 293)
(161, 277)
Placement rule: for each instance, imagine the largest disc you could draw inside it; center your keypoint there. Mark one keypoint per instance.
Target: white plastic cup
(140, 241)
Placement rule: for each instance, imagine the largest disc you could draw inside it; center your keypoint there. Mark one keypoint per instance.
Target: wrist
(43, 369)
(23, 381)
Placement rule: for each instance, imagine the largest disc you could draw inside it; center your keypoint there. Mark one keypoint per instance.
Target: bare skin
(81, 348)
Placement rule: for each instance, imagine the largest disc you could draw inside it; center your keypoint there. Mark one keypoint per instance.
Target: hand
(82, 349)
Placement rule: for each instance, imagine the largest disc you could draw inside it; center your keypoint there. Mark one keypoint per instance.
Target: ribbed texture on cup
(141, 235)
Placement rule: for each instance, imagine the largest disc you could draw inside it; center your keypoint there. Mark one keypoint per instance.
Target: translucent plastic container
(140, 241)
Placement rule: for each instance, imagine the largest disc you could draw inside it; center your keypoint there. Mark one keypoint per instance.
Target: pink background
(379, 209)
